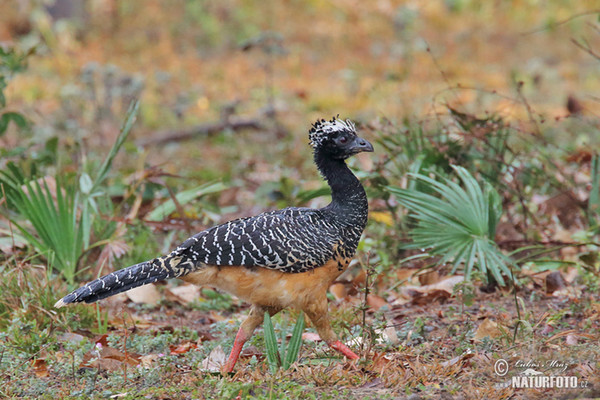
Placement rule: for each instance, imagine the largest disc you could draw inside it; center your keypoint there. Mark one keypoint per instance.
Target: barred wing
(289, 240)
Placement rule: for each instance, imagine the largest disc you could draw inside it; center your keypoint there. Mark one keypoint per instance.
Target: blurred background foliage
(227, 90)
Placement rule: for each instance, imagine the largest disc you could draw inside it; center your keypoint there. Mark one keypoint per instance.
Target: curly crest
(322, 129)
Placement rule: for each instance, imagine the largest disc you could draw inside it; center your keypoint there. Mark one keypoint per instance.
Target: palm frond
(458, 226)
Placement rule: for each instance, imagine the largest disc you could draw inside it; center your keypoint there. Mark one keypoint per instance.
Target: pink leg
(238, 344)
(254, 319)
(342, 348)
(317, 312)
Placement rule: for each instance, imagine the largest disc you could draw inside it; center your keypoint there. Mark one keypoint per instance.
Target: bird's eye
(343, 139)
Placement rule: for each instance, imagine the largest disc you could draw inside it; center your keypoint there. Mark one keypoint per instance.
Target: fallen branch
(170, 135)
(503, 243)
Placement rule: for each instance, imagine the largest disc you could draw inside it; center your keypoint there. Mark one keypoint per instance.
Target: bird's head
(337, 139)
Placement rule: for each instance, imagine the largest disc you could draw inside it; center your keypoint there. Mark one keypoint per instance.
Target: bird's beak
(359, 145)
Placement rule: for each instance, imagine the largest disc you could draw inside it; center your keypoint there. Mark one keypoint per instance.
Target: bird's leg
(342, 348)
(317, 312)
(254, 319)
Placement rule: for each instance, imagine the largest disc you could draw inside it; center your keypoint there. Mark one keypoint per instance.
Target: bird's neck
(348, 197)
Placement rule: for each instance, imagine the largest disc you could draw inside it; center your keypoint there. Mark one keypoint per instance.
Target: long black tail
(158, 269)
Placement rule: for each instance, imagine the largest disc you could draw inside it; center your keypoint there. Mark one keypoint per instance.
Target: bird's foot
(342, 348)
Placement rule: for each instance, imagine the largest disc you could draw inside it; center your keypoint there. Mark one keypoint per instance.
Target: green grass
(282, 356)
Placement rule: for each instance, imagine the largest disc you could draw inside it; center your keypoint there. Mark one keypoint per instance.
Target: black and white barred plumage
(289, 240)
(292, 240)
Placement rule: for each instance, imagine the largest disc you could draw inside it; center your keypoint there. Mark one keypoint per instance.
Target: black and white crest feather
(322, 130)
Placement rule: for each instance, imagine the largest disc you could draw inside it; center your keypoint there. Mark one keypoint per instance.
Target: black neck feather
(347, 194)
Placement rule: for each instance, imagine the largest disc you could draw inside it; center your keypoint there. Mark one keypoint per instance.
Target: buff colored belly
(265, 287)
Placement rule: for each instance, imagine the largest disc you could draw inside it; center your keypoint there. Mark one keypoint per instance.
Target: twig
(73, 367)
(178, 206)
(564, 21)
(438, 66)
(528, 107)
(5, 201)
(512, 276)
(125, 337)
(364, 305)
(587, 48)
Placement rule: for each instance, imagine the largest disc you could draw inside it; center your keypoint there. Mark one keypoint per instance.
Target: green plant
(53, 216)
(212, 300)
(60, 212)
(11, 62)
(593, 210)
(285, 356)
(430, 150)
(460, 226)
(182, 198)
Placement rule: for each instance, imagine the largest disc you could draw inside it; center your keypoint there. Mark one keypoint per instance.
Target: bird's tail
(159, 269)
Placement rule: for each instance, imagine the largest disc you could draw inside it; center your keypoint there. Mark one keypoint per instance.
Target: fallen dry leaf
(182, 348)
(215, 360)
(430, 297)
(311, 337)
(70, 337)
(381, 360)
(566, 206)
(548, 329)
(360, 279)
(116, 301)
(571, 340)
(106, 364)
(147, 294)
(387, 335)
(446, 284)
(147, 360)
(113, 250)
(372, 383)
(376, 302)
(107, 358)
(554, 282)
(391, 335)
(586, 369)
(487, 328)
(216, 316)
(183, 294)
(9, 242)
(128, 321)
(407, 274)
(251, 351)
(465, 356)
(40, 367)
(102, 340)
(429, 293)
